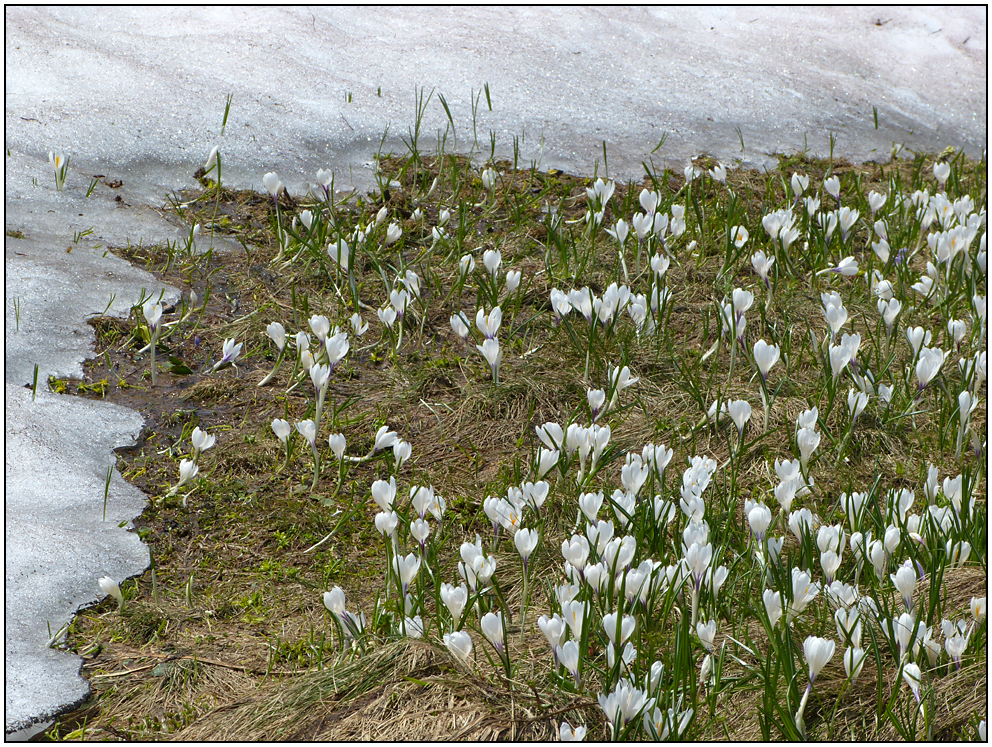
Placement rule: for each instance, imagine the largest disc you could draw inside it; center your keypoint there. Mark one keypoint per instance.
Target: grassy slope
(239, 645)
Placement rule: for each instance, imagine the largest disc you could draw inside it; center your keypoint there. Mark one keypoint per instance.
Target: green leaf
(176, 366)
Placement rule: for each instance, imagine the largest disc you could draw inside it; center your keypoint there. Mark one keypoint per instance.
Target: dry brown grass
(410, 690)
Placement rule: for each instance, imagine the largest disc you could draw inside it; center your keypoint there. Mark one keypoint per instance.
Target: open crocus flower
(889, 311)
(488, 324)
(187, 471)
(706, 633)
(691, 172)
(201, 442)
(153, 315)
(387, 316)
(466, 266)
(846, 267)
(620, 379)
(847, 217)
(876, 201)
(620, 231)
(761, 263)
(856, 403)
(359, 326)
(567, 734)
(739, 236)
(642, 223)
(59, 162)
(393, 234)
(229, 355)
(384, 439)
(978, 609)
(600, 193)
(407, 569)
(928, 365)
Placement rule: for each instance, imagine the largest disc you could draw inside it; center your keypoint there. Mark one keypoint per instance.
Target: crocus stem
(268, 378)
(351, 285)
(213, 219)
(523, 608)
(764, 401)
(316, 469)
(153, 361)
(388, 566)
(733, 355)
(800, 724)
(319, 408)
